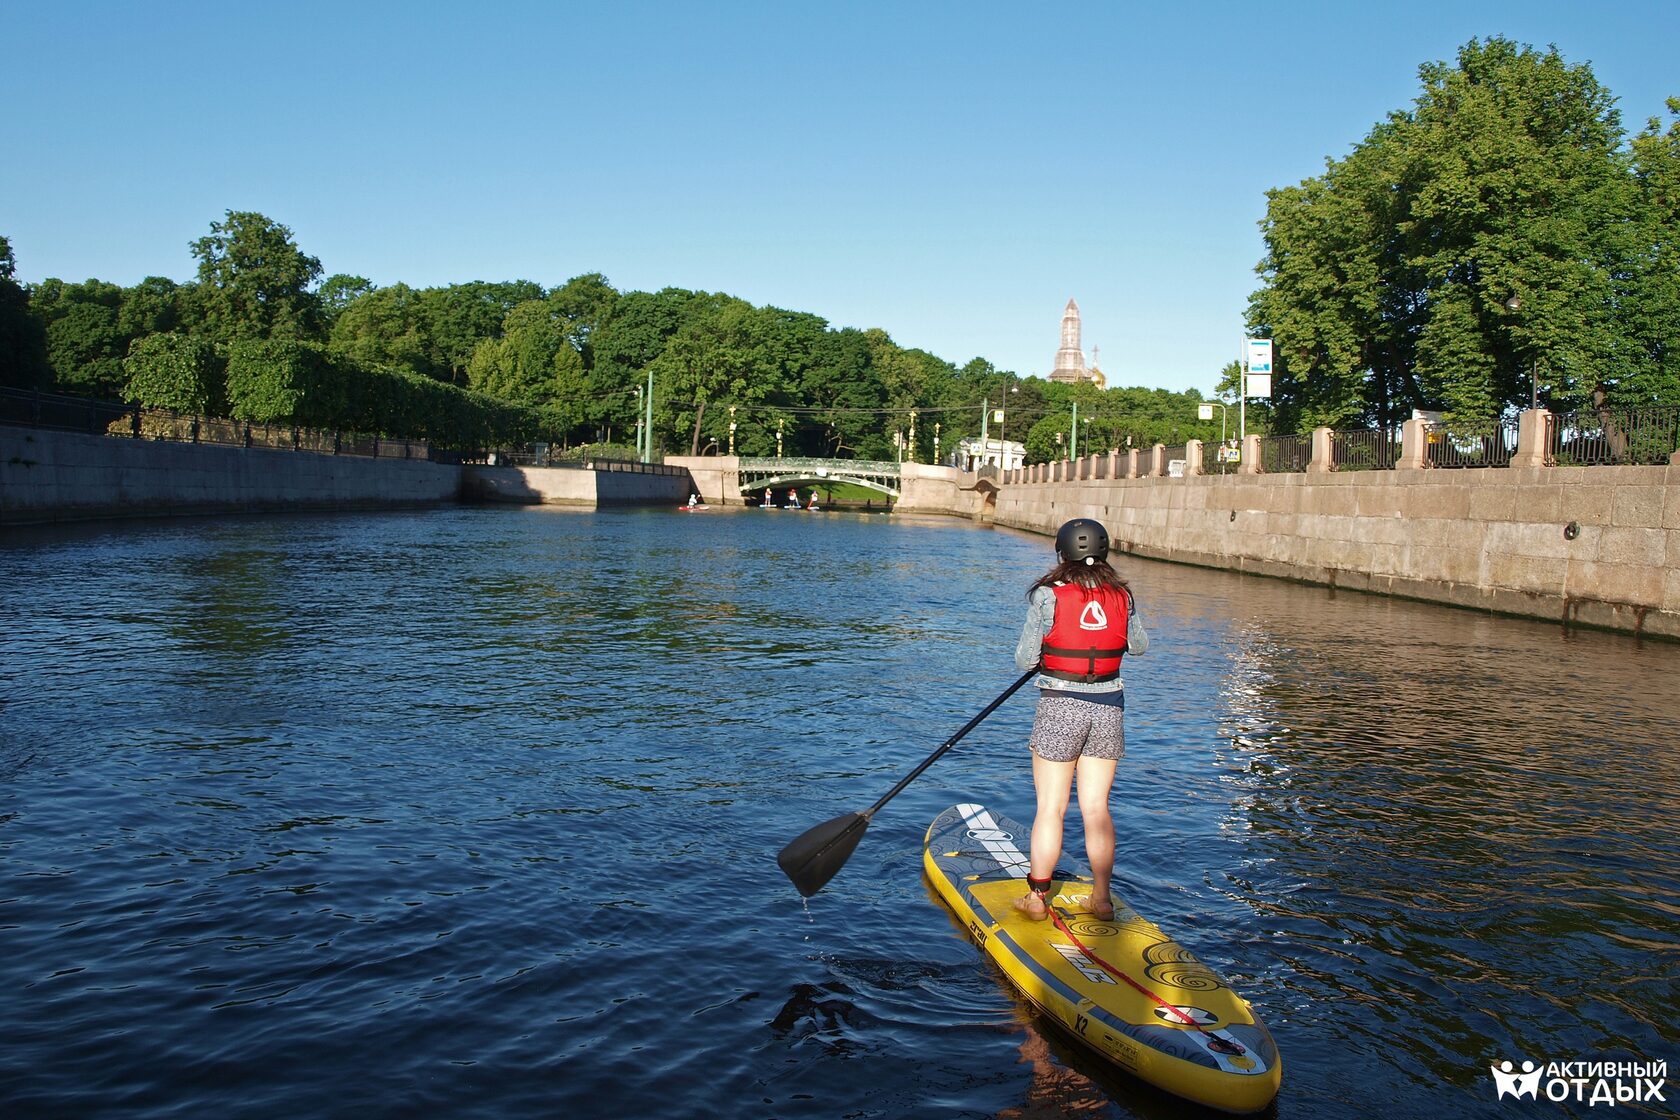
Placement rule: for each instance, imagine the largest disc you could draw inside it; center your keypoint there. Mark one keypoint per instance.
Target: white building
(1005, 454)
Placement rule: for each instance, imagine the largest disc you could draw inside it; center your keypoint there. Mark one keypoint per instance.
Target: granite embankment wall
(48, 476)
(928, 489)
(1597, 546)
(573, 486)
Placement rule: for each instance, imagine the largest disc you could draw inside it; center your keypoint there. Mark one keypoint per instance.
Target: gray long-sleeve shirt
(1041, 616)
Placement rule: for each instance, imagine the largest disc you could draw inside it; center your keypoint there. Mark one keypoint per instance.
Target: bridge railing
(791, 463)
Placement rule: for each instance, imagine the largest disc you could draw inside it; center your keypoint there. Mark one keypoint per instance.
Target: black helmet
(1082, 539)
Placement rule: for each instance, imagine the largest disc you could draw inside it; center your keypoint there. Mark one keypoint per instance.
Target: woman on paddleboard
(1080, 621)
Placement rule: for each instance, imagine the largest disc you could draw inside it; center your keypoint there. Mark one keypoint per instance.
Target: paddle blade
(813, 858)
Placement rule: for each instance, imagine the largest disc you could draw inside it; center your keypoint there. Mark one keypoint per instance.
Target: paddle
(818, 853)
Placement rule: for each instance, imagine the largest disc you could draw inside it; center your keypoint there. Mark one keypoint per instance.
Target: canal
(473, 813)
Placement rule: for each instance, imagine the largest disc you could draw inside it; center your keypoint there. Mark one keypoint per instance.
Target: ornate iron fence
(1364, 449)
(1284, 454)
(60, 413)
(1491, 443)
(1622, 437)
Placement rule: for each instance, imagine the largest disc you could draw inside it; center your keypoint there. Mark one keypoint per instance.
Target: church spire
(1070, 359)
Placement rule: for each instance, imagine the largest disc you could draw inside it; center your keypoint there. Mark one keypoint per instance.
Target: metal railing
(1492, 443)
(1613, 437)
(25, 409)
(130, 421)
(1284, 454)
(793, 463)
(1364, 449)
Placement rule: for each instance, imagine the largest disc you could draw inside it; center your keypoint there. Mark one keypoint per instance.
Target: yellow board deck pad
(1121, 986)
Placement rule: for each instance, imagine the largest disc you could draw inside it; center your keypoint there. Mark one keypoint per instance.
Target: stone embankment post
(1414, 446)
(1321, 456)
(1250, 456)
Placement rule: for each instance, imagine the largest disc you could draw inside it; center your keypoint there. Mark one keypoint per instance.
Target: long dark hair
(1090, 575)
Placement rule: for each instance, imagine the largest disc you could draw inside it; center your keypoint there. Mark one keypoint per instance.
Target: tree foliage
(23, 343)
(255, 281)
(176, 371)
(282, 380)
(1491, 237)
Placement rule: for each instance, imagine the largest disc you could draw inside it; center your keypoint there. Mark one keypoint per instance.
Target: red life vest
(1088, 636)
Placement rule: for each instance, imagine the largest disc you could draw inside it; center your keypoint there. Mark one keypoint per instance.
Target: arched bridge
(756, 474)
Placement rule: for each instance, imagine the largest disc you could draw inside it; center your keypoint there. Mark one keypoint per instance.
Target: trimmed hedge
(284, 381)
(177, 372)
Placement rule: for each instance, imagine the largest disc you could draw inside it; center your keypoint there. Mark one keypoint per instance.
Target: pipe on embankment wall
(48, 476)
(1497, 539)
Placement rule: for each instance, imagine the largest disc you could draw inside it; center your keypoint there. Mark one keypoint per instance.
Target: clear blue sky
(952, 173)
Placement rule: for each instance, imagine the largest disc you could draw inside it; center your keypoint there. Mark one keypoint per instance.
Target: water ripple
(471, 813)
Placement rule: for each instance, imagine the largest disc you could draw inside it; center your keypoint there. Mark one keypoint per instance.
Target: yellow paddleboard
(1122, 987)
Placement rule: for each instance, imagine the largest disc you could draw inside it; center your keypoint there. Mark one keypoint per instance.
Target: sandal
(1033, 905)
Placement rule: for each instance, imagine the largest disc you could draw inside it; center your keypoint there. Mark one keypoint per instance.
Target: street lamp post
(1073, 433)
(639, 454)
(936, 443)
(1003, 414)
(779, 424)
(647, 439)
(912, 447)
(1205, 412)
(732, 429)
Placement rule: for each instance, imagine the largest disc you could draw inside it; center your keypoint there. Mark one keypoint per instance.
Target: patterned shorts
(1068, 725)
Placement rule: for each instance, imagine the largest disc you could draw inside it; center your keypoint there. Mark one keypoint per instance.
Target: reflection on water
(473, 812)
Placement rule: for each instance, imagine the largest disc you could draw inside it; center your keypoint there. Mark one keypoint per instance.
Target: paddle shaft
(814, 856)
(951, 742)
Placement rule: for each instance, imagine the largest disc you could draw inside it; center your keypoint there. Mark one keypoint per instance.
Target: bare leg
(1053, 781)
(1096, 777)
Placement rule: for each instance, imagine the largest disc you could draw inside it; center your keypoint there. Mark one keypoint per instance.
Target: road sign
(1260, 356)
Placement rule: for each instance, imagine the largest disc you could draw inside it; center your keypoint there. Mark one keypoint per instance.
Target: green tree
(582, 304)
(841, 380)
(635, 331)
(724, 351)
(534, 364)
(338, 292)
(457, 318)
(1652, 301)
(85, 344)
(1485, 233)
(387, 327)
(255, 281)
(156, 305)
(23, 342)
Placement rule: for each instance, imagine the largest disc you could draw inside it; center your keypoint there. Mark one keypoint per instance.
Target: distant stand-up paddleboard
(1122, 987)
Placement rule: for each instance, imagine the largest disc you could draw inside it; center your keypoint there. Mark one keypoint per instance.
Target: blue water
(473, 813)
